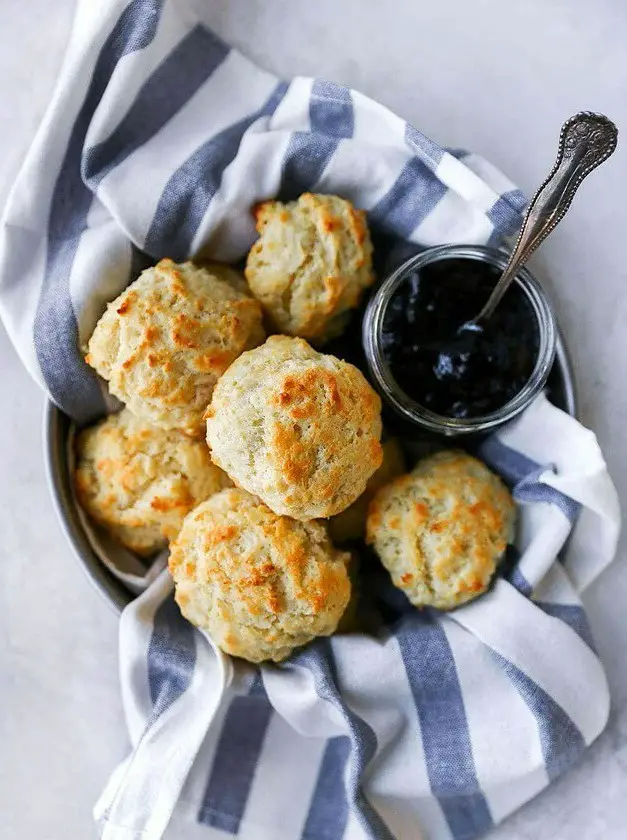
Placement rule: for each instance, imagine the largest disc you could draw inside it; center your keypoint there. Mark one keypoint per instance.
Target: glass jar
(411, 410)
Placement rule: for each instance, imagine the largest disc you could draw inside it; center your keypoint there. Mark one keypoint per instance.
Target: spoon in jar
(586, 141)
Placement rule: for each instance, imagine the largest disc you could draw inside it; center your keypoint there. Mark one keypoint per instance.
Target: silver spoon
(586, 140)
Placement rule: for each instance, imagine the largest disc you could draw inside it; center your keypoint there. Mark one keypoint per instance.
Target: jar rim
(410, 409)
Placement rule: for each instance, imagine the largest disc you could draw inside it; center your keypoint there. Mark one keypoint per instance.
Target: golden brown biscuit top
(311, 263)
(298, 428)
(139, 481)
(163, 343)
(318, 407)
(443, 526)
(254, 572)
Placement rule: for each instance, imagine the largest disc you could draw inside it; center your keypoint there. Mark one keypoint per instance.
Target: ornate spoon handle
(586, 140)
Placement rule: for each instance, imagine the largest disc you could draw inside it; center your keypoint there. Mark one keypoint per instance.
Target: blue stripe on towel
(446, 742)
(423, 147)
(523, 474)
(306, 158)
(506, 212)
(190, 190)
(319, 660)
(166, 91)
(328, 812)
(573, 615)
(510, 570)
(532, 490)
(562, 743)
(331, 118)
(409, 201)
(513, 466)
(331, 109)
(171, 657)
(71, 383)
(520, 582)
(236, 758)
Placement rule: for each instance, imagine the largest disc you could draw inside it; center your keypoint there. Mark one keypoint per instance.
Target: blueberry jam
(461, 373)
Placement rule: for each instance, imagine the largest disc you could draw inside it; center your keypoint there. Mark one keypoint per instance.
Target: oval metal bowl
(56, 431)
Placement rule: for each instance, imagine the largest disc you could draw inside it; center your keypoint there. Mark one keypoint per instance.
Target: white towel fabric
(157, 142)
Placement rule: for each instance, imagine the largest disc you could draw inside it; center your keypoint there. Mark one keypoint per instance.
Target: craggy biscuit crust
(139, 481)
(441, 529)
(310, 265)
(163, 343)
(260, 584)
(297, 428)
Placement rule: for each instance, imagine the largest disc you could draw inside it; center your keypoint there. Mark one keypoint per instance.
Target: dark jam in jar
(453, 372)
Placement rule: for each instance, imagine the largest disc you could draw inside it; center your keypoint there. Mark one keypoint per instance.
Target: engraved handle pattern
(586, 141)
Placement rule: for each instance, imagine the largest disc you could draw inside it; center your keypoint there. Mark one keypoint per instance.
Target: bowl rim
(56, 426)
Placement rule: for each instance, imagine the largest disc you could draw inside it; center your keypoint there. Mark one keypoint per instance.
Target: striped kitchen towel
(157, 142)
(437, 728)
